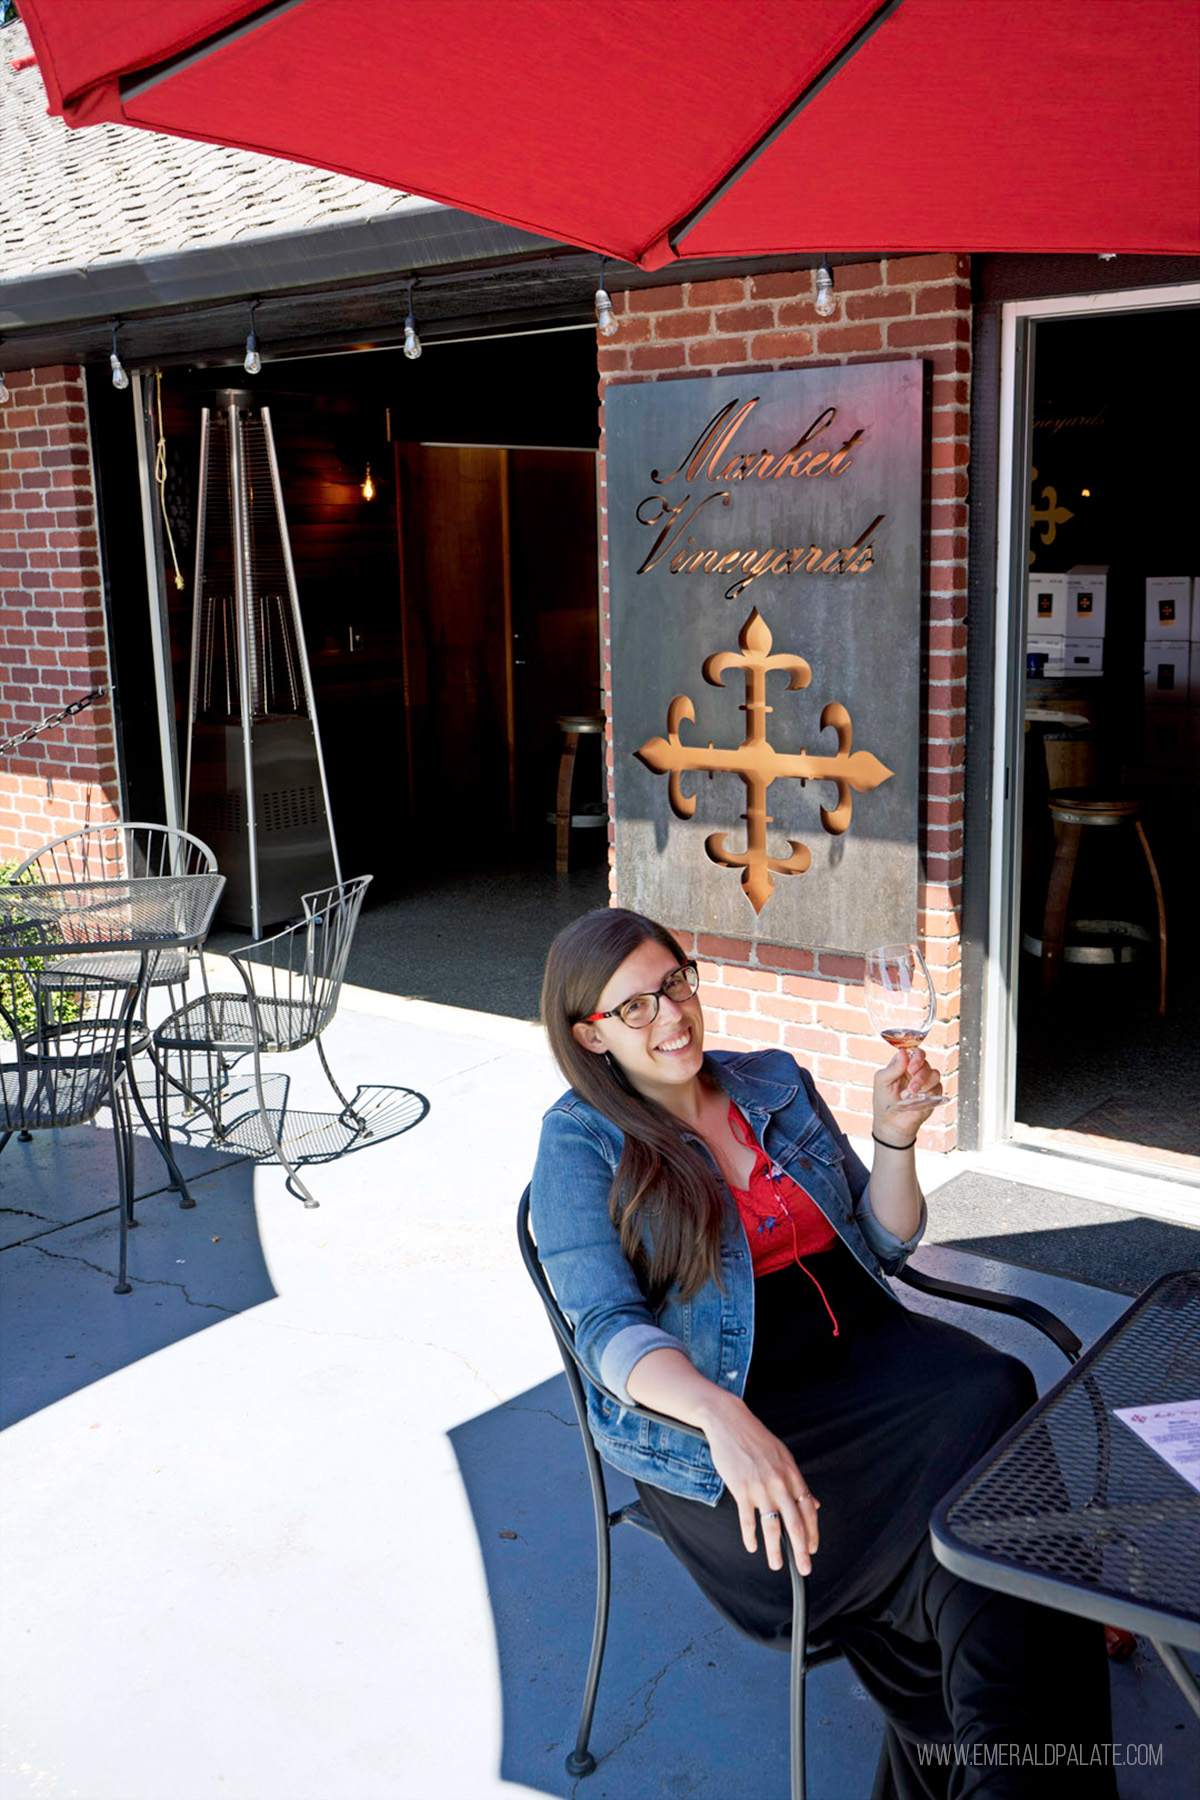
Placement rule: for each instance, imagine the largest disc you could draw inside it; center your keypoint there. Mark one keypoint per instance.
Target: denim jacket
(598, 1289)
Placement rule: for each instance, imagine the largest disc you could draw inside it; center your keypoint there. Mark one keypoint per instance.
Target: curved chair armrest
(1038, 1316)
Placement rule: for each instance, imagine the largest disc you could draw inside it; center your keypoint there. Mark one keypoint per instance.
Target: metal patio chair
(580, 1761)
(291, 985)
(133, 850)
(63, 1051)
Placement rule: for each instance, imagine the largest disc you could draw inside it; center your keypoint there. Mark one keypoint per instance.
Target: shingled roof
(110, 193)
(172, 237)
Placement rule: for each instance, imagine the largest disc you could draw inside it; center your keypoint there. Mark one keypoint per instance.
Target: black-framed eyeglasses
(642, 1009)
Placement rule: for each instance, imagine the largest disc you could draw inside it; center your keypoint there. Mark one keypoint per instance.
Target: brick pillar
(896, 309)
(52, 636)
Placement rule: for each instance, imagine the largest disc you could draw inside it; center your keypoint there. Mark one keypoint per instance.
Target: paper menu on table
(1172, 1430)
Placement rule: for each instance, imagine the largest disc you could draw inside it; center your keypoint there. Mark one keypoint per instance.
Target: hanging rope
(57, 718)
(160, 474)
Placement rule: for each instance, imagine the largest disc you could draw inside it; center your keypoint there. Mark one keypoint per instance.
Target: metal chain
(76, 706)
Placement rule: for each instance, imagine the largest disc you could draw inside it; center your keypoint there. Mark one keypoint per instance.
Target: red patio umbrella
(699, 128)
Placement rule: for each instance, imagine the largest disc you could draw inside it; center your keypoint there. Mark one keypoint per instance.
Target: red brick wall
(896, 309)
(52, 636)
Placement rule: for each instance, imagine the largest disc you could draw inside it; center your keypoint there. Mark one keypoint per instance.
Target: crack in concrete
(546, 1411)
(650, 1688)
(227, 1312)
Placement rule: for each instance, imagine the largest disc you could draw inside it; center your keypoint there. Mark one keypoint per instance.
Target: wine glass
(901, 1004)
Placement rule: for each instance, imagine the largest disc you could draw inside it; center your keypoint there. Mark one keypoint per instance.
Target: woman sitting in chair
(722, 1256)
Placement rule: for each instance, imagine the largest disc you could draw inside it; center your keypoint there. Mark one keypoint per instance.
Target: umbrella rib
(677, 232)
(134, 86)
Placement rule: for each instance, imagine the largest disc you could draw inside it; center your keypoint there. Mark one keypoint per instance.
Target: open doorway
(1107, 1051)
(442, 518)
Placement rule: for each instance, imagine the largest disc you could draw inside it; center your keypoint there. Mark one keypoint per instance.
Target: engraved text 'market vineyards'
(712, 459)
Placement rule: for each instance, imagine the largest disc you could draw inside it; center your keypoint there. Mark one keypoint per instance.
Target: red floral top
(783, 1223)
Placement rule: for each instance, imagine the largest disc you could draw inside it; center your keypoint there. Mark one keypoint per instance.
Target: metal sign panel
(765, 584)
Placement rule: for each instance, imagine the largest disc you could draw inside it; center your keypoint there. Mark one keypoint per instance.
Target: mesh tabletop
(139, 913)
(1071, 1507)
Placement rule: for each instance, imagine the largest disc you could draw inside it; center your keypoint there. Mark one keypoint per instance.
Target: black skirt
(882, 1418)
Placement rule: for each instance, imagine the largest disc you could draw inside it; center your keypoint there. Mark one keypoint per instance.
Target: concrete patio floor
(304, 1518)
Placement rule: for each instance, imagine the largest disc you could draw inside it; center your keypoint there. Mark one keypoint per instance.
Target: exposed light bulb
(1085, 493)
(119, 378)
(826, 301)
(252, 361)
(412, 343)
(5, 396)
(606, 324)
(368, 486)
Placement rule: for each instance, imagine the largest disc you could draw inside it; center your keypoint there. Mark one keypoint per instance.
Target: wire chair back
(296, 976)
(119, 850)
(60, 1036)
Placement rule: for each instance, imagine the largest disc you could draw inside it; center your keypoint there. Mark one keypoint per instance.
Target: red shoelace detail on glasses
(783, 1223)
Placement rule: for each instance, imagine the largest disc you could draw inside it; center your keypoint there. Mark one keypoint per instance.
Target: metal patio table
(115, 930)
(123, 917)
(1071, 1509)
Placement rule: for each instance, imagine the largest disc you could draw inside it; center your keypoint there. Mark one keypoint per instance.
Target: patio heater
(255, 785)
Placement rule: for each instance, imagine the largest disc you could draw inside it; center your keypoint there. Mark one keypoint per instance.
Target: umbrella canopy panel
(987, 125)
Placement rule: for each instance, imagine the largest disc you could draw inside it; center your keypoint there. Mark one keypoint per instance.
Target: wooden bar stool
(573, 726)
(1073, 810)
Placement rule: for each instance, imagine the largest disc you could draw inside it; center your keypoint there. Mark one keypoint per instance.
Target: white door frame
(998, 1084)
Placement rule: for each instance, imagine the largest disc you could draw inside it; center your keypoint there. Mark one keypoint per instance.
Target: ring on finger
(769, 1515)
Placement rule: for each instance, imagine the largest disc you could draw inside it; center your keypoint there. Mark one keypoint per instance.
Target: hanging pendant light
(252, 361)
(606, 324)
(412, 343)
(119, 378)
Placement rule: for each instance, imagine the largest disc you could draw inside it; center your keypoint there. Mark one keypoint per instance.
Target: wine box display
(1169, 608)
(1087, 600)
(1083, 656)
(1166, 671)
(1054, 650)
(1046, 612)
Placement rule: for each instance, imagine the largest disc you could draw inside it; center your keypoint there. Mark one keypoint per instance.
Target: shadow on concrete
(61, 1326)
(411, 936)
(1130, 1252)
(686, 1706)
(309, 1136)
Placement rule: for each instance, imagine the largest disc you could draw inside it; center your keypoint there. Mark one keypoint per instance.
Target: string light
(368, 487)
(252, 361)
(826, 301)
(119, 378)
(606, 324)
(412, 343)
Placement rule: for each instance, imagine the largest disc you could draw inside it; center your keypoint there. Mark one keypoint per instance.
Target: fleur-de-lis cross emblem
(1050, 516)
(758, 763)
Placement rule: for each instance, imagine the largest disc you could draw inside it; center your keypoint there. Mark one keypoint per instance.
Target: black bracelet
(888, 1146)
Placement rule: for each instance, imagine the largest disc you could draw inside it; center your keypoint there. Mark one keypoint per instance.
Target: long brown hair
(666, 1198)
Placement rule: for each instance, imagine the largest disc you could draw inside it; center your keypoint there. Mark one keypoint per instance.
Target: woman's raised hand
(761, 1474)
(904, 1089)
